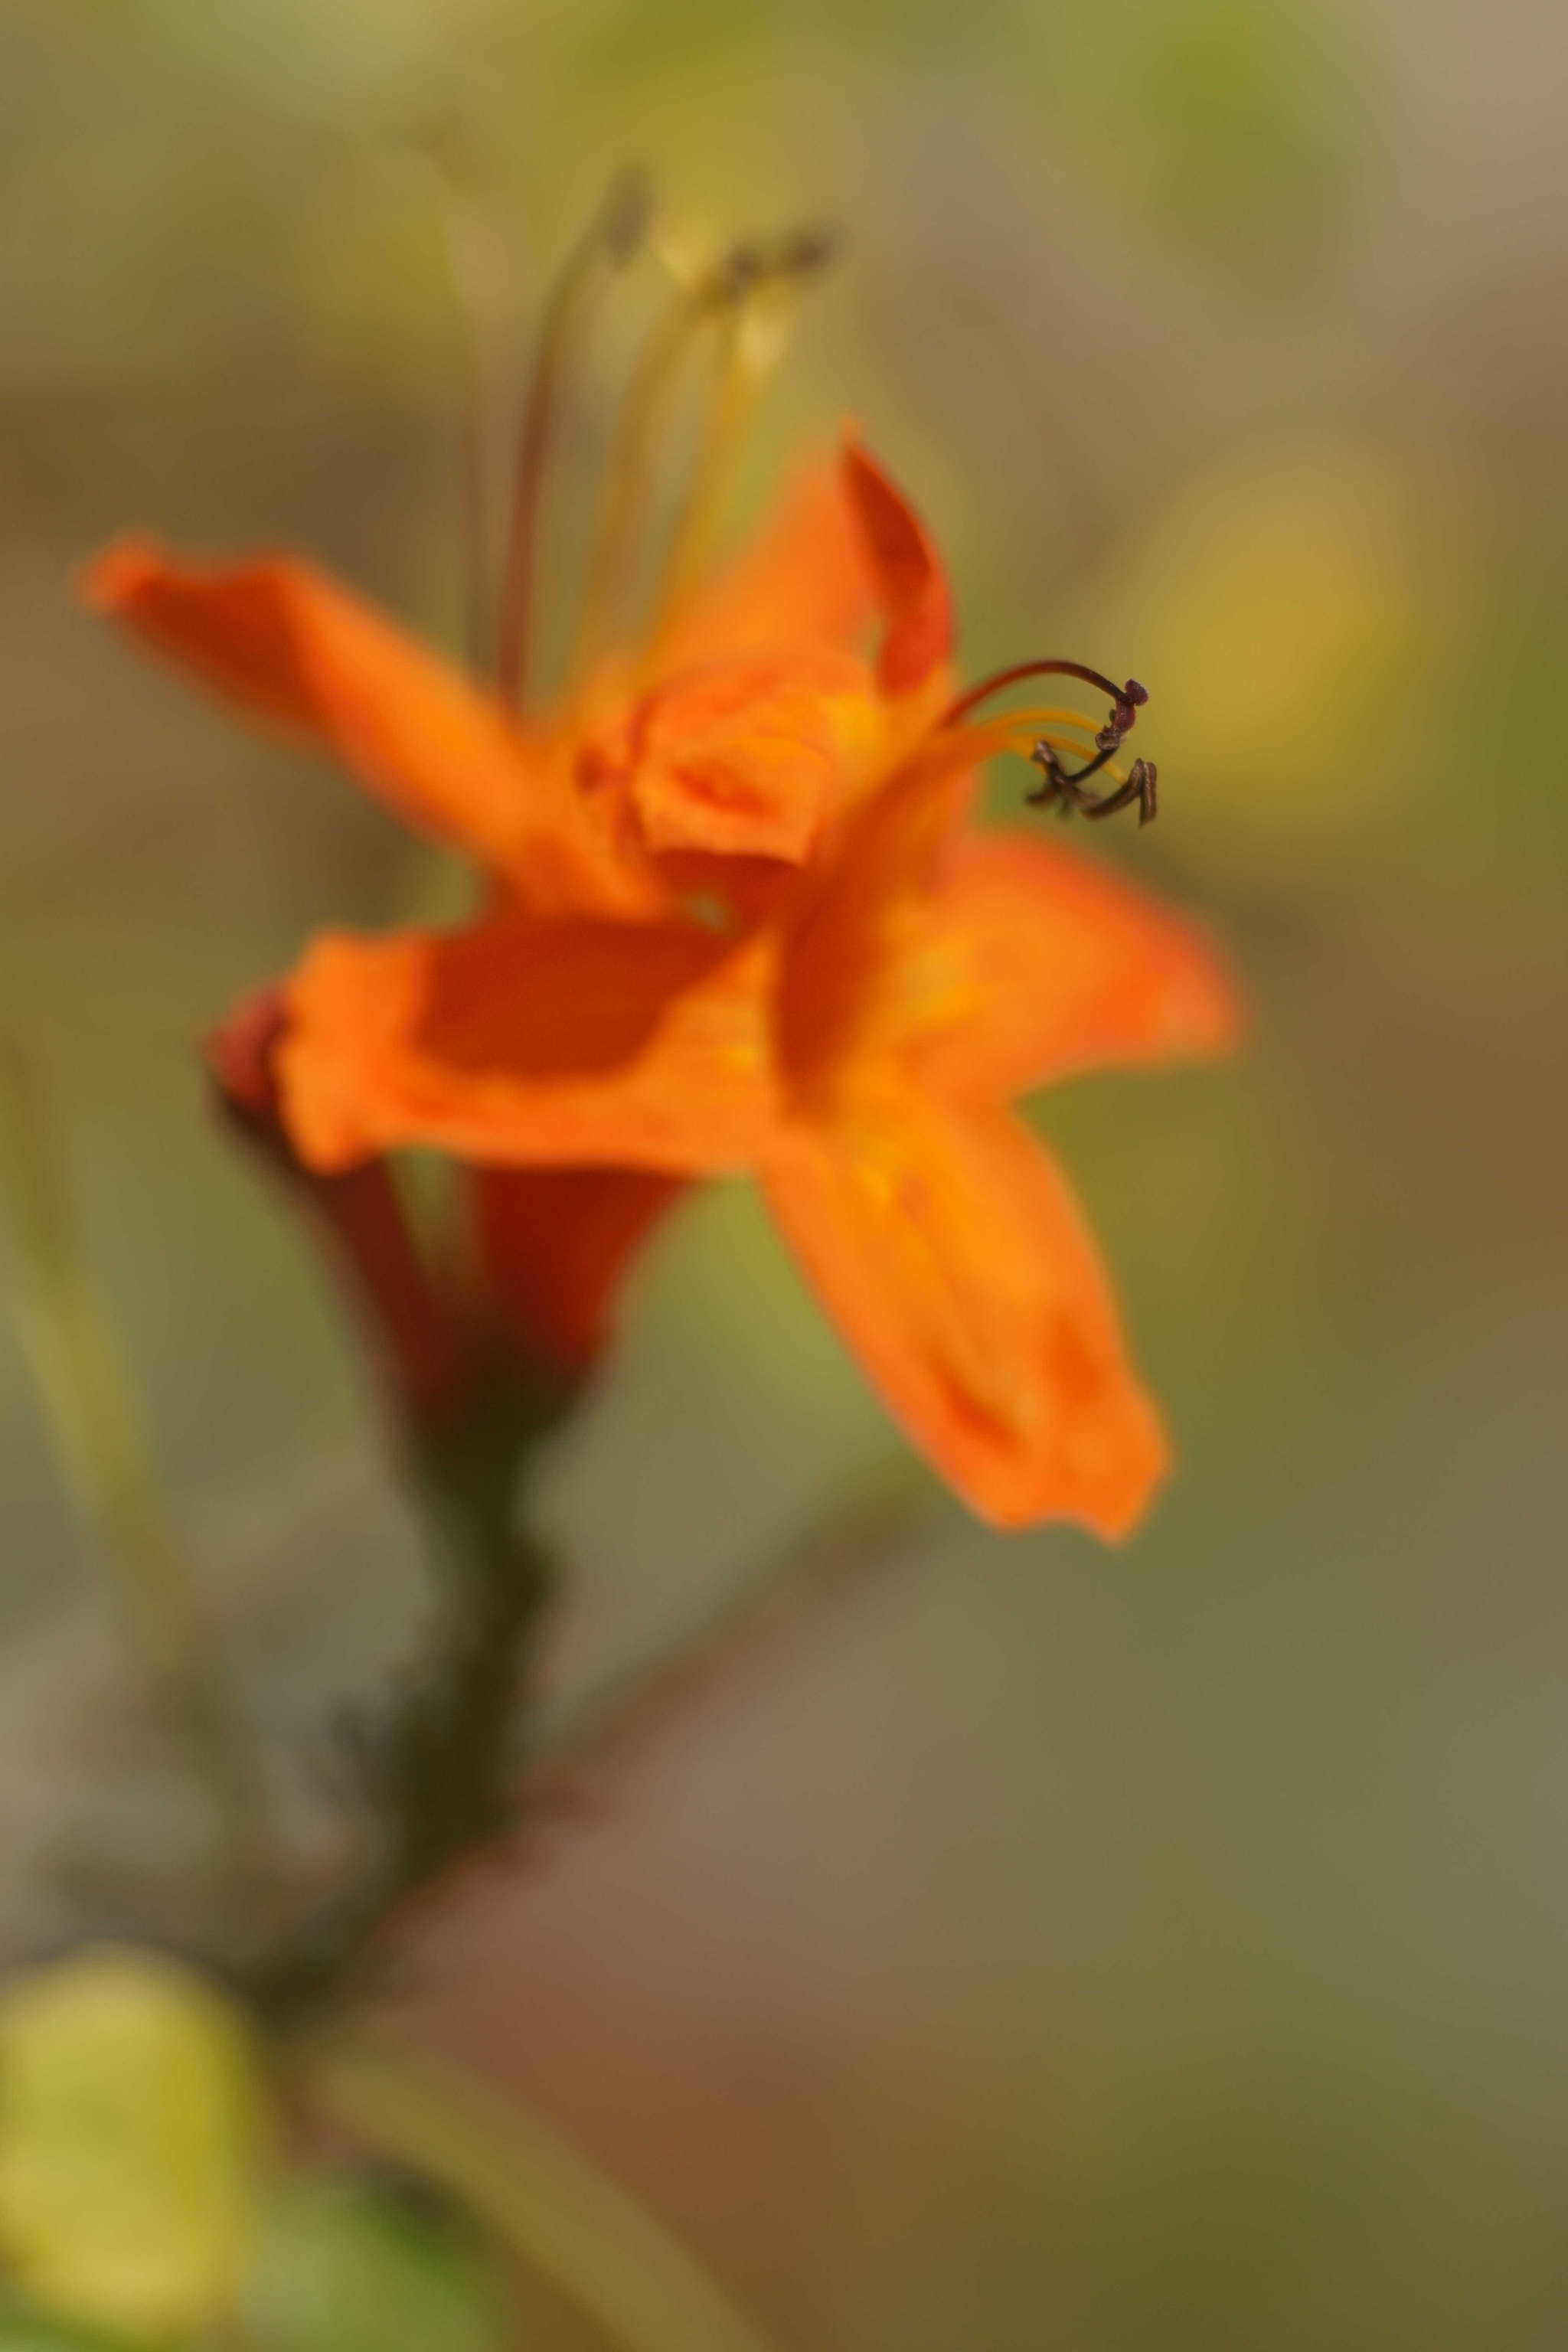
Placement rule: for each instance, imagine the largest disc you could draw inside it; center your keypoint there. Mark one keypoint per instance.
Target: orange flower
(739, 924)
(688, 779)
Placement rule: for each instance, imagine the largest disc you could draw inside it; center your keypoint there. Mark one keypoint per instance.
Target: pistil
(1060, 787)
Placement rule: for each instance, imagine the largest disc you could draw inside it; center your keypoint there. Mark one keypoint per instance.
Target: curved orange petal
(556, 1244)
(542, 1043)
(910, 585)
(950, 1254)
(1032, 964)
(803, 580)
(289, 644)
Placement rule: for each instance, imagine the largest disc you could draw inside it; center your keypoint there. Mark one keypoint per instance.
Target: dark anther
(733, 276)
(1064, 792)
(1059, 785)
(1142, 779)
(809, 250)
(738, 273)
(627, 215)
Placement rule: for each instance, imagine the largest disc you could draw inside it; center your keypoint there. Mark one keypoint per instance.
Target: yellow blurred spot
(132, 2139)
(1287, 614)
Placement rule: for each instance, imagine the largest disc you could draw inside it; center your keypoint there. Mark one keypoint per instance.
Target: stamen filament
(1038, 715)
(722, 295)
(629, 478)
(609, 243)
(1036, 734)
(1019, 731)
(758, 314)
(1026, 746)
(1060, 786)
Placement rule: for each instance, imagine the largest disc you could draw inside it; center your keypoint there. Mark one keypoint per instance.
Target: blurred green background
(1042, 1947)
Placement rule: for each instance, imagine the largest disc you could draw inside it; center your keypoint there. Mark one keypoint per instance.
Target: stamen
(1018, 730)
(1063, 745)
(721, 294)
(756, 309)
(1037, 716)
(610, 242)
(628, 477)
(1058, 787)
(1065, 792)
(1045, 755)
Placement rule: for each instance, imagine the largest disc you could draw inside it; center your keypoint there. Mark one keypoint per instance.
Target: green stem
(541, 2199)
(434, 1771)
(441, 1772)
(87, 1395)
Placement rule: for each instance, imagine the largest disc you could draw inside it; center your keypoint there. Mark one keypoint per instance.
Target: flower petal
(805, 580)
(409, 1312)
(288, 642)
(856, 917)
(1035, 963)
(950, 1254)
(529, 1043)
(749, 757)
(911, 587)
(556, 1243)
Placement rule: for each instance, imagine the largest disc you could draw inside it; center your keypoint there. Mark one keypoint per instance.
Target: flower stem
(451, 1765)
(434, 1771)
(542, 2199)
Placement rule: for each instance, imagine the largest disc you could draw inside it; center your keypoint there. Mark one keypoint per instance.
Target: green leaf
(351, 2264)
